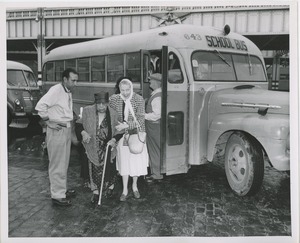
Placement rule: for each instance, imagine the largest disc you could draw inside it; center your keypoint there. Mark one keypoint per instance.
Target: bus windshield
(31, 79)
(216, 66)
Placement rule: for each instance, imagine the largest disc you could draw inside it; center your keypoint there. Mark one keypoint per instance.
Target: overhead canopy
(270, 42)
(27, 47)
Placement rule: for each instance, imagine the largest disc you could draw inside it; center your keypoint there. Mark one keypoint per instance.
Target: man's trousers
(59, 147)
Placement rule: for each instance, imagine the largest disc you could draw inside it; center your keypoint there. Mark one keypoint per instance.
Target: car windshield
(16, 78)
(31, 79)
(216, 66)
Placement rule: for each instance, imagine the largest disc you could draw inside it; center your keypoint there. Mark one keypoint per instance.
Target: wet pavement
(199, 203)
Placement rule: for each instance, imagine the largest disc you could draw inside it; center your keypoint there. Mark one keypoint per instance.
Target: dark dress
(97, 148)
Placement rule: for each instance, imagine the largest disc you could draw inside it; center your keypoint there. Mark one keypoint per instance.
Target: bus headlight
(17, 102)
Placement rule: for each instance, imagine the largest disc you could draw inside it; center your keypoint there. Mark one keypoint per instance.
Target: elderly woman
(97, 130)
(128, 164)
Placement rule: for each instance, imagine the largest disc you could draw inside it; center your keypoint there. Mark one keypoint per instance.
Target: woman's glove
(122, 126)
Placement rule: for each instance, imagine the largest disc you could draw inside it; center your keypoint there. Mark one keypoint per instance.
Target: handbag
(136, 141)
(135, 138)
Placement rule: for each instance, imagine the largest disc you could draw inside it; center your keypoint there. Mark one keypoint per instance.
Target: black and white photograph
(154, 121)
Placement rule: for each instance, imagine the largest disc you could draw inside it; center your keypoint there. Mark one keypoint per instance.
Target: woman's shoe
(123, 197)
(109, 193)
(95, 198)
(136, 194)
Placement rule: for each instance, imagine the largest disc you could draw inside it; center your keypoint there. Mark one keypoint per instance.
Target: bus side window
(59, 68)
(133, 68)
(174, 73)
(48, 73)
(115, 67)
(98, 69)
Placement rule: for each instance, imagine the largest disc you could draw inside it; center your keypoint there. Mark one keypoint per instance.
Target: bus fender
(271, 131)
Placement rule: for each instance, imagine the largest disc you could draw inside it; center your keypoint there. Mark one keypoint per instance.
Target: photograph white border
(294, 121)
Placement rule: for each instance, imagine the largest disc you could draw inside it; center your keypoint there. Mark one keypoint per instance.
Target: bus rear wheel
(244, 164)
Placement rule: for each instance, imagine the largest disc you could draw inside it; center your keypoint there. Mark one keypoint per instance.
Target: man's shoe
(150, 179)
(70, 193)
(61, 201)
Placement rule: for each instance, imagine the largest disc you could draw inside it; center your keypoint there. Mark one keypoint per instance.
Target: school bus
(215, 97)
(23, 94)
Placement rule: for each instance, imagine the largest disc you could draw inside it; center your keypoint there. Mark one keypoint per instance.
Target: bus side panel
(198, 126)
(177, 130)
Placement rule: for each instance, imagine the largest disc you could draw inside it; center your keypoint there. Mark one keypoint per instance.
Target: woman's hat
(101, 97)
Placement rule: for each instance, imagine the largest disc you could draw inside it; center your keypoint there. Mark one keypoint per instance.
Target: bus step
(19, 123)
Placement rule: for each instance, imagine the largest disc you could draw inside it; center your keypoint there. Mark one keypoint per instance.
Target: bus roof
(12, 65)
(178, 36)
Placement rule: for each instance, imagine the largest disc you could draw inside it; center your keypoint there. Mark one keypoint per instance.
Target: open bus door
(174, 122)
(145, 69)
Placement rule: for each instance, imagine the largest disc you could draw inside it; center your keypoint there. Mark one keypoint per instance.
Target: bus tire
(244, 164)
(9, 117)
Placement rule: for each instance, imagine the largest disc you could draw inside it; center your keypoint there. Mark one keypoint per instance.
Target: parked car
(23, 93)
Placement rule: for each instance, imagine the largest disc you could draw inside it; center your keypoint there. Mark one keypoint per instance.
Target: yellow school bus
(215, 97)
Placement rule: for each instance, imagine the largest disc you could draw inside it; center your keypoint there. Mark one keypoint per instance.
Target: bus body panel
(177, 115)
(177, 36)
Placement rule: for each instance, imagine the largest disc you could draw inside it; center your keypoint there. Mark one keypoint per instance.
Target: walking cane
(103, 174)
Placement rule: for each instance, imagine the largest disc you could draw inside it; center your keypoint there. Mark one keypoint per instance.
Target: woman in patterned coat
(129, 164)
(97, 130)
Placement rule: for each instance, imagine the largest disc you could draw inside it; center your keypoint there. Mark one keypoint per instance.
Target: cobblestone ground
(199, 203)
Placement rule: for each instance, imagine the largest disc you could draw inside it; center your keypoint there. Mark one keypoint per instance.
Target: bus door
(174, 122)
(145, 71)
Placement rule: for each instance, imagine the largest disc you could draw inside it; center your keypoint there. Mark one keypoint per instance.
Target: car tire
(9, 118)
(244, 164)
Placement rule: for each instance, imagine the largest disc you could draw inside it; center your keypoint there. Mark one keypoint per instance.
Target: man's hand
(54, 125)
(85, 137)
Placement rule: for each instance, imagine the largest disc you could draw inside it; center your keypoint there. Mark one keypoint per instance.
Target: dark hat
(101, 97)
(155, 76)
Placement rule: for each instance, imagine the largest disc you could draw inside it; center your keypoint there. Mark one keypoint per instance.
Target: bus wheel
(9, 118)
(244, 164)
